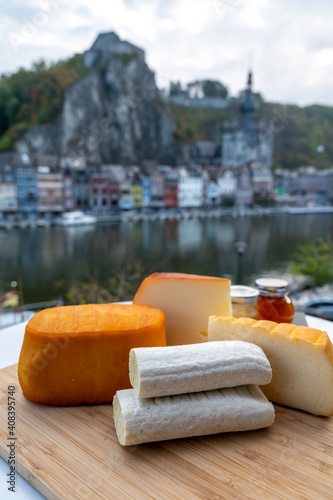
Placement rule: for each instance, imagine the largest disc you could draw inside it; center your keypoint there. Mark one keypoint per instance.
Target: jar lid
(243, 294)
(272, 286)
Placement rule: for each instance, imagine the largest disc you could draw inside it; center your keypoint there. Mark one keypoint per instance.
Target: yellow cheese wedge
(301, 359)
(187, 301)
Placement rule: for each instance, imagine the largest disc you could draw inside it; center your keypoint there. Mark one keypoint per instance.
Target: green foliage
(197, 123)
(298, 131)
(33, 96)
(128, 57)
(121, 286)
(315, 261)
(206, 88)
(227, 203)
(12, 135)
(265, 202)
(175, 88)
(209, 88)
(5, 143)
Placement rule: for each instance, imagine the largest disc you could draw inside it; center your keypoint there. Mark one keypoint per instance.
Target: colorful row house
(104, 192)
(212, 194)
(157, 190)
(31, 189)
(50, 191)
(170, 192)
(146, 192)
(27, 190)
(68, 191)
(8, 189)
(126, 199)
(81, 180)
(190, 191)
(136, 192)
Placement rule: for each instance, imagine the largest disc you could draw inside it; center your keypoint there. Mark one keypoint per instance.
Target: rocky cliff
(115, 114)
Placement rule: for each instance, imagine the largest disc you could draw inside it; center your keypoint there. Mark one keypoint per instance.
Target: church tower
(248, 106)
(248, 144)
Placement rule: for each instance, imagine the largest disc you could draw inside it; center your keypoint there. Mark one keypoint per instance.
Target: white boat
(76, 218)
(43, 223)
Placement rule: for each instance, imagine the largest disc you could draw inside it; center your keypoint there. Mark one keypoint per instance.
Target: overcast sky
(288, 43)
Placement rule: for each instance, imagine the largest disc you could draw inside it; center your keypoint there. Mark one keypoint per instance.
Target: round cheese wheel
(80, 354)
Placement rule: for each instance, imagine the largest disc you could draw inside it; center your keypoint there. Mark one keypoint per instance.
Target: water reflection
(43, 256)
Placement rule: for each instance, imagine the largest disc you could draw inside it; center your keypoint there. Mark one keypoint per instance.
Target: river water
(42, 257)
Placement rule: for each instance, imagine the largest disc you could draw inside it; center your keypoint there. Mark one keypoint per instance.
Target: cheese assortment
(187, 301)
(183, 386)
(79, 354)
(301, 359)
(165, 371)
(224, 409)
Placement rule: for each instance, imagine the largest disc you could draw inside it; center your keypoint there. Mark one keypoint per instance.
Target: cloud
(289, 44)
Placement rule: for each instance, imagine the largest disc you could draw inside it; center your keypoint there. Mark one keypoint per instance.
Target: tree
(208, 88)
(315, 261)
(121, 285)
(33, 96)
(214, 88)
(8, 106)
(175, 88)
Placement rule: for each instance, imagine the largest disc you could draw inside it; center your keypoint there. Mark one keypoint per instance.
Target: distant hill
(105, 105)
(298, 131)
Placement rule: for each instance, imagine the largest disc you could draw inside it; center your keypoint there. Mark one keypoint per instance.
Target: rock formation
(115, 114)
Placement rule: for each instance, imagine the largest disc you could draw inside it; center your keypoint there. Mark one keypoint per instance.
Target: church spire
(249, 79)
(248, 104)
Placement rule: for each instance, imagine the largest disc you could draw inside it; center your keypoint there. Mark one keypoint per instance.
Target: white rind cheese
(187, 301)
(301, 359)
(165, 371)
(157, 419)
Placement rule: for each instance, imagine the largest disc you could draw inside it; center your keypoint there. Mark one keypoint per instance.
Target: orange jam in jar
(274, 303)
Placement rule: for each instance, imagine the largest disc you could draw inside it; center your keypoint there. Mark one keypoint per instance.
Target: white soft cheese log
(225, 410)
(301, 359)
(187, 301)
(165, 371)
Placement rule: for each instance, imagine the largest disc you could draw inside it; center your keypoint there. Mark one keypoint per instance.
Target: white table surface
(10, 345)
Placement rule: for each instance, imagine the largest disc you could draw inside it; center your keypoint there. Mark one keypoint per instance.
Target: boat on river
(76, 218)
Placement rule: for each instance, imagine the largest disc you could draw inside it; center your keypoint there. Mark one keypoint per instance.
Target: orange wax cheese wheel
(79, 354)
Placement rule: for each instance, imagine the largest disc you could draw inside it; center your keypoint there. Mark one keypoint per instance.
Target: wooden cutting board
(73, 453)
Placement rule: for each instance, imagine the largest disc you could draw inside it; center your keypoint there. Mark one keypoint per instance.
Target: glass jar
(274, 304)
(244, 301)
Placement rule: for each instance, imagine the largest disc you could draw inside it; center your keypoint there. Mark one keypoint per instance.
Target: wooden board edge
(35, 481)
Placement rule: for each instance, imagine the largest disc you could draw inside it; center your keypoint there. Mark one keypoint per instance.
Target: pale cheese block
(166, 371)
(301, 359)
(225, 410)
(187, 301)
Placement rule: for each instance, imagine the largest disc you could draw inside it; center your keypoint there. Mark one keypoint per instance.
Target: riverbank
(320, 297)
(171, 214)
